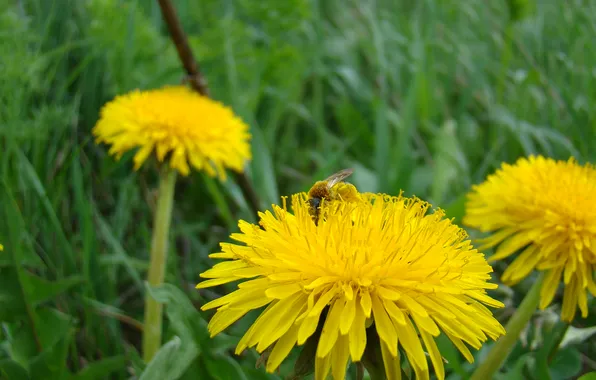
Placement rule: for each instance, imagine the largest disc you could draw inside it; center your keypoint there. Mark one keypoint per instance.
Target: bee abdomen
(319, 190)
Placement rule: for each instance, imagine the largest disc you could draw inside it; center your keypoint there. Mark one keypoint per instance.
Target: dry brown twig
(199, 83)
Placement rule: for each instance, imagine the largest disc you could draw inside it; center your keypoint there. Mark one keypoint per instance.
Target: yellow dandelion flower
(382, 261)
(179, 123)
(1, 247)
(546, 208)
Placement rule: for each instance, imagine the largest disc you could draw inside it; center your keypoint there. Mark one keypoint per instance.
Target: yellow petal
(522, 265)
(461, 347)
(330, 329)
(549, 286)
(322, 367)
(347, 316)
(322, 302)
(388, 293)
(339, 357)
(357, 336)
(411, 343)
(282, 348)
(495, 239)
(394, 312)
(215, 282)
(384, 325)
(224, 318)
(283, 291)
(570, 296)
(510, 246)
(307, 328)
(435, 355)
(365, 303)
(280, 326)
(391, 362)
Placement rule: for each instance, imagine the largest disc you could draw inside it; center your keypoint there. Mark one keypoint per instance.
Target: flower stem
(157, 264)
(499, 352)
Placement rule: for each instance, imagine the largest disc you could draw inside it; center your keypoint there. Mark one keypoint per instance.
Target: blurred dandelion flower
(547, 208)
(177, 122)
(383, 260)
(1, 247)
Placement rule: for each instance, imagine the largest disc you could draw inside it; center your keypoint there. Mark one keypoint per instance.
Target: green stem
(499, 352)
(157, 265)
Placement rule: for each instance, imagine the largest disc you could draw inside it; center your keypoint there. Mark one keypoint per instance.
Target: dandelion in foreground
(175, 122)
(546, 209)
(382, 264)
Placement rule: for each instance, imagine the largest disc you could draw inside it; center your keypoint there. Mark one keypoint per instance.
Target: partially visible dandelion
(184, 129)
(383, 260)
(547, 210)
(176, 123)
(1, 247)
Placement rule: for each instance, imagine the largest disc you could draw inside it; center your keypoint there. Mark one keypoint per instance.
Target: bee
(330, 189)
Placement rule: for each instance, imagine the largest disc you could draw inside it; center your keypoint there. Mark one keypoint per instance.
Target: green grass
(428, 97)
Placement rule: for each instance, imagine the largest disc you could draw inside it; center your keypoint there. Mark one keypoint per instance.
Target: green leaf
(566, 364)
(11, 299)
(52, 326)
(259, 374)
(364, 179)
(446, 166)
(84, 207)
(222, 367)
(101, 369)
(518, 370)
(119, 254)
(576, 335)
(263, 174)
(30, 175)
(24, 343)
(136, 363)
(197, 366)
(182, 314)
(588, 376)
(519, 9)
(457, 209)
(186, 322)
(9, 369)
(220, 201)
(16, 250)
(51, 363)
(551, 338)
(39, 289)
(162, 364)
(21, 343)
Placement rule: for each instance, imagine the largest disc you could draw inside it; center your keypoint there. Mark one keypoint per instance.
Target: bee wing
(338, 177)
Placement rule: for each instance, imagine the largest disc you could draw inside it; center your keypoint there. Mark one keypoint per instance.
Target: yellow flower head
(179, 123)
(383, 260)
(1, 247)
(548, 209)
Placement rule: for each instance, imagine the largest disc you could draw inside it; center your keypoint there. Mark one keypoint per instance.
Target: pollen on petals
(384, 264)
(178, 125)
(542, 211)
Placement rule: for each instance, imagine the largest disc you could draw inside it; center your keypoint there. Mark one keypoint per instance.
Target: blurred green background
(427, 96)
